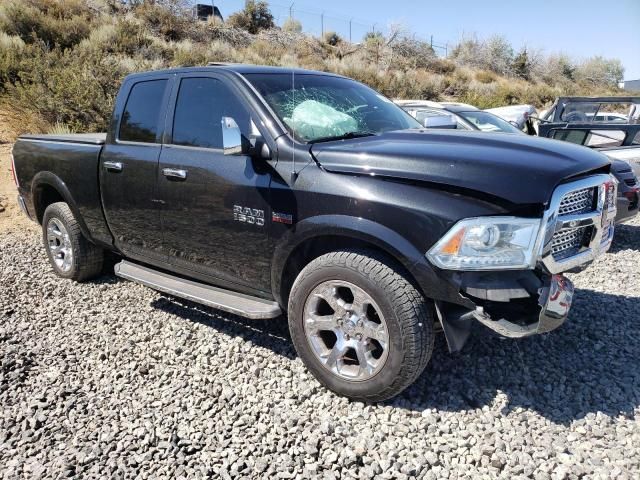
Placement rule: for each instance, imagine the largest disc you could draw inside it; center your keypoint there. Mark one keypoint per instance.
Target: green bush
(69, 88)
(57, 24)
(254, 18)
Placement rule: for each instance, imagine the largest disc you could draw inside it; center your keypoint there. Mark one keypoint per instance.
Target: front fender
(392, 243)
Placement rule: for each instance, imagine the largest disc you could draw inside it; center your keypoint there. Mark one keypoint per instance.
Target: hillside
(61, 61)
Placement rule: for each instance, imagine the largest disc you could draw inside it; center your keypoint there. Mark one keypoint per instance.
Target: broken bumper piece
(554, 302)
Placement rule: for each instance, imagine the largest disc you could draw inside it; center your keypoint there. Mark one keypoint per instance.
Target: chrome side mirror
(232, 143)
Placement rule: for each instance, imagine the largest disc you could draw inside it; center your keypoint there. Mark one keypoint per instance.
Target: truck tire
(71, 255)
(359, 326)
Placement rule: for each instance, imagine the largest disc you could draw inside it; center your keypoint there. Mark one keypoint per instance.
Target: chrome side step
(232, 302)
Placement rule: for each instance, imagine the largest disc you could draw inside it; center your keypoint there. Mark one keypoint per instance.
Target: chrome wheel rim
(346, 330)
(59, 245)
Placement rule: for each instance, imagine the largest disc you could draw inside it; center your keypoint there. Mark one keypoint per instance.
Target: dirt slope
(11, 217)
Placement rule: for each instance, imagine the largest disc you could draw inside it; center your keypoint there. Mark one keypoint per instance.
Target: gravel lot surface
(112, 379)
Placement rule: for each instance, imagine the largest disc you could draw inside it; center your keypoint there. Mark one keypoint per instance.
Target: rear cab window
(141, 120)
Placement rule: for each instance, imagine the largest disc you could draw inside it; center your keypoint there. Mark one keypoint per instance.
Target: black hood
(518, 168)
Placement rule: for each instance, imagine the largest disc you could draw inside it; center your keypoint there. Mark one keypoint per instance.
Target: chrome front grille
(578, 225)
(569, 241)
(566, 243)
(579, 201)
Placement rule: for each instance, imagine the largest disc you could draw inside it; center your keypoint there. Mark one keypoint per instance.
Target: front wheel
(71, 255)
(359, 326)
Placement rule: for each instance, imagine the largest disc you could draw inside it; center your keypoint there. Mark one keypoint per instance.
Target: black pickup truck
(260, 191)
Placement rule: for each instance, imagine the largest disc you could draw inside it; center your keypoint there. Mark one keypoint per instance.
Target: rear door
(215, 206)
(129, 166)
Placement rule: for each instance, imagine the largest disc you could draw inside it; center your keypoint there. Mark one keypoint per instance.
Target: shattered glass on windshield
(314, 107)
(312, 119)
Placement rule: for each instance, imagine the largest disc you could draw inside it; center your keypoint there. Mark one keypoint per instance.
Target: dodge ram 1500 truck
(261, 191)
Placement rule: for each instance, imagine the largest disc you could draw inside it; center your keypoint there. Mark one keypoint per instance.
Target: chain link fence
(318, 22)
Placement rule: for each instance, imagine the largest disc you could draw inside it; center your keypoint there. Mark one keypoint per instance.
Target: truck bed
(70, 165)
(82, 138)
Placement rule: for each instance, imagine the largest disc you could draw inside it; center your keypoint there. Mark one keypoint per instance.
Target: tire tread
(412, 311)
(89, 257)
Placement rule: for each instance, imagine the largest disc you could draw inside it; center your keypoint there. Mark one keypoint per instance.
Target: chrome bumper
(555, 302)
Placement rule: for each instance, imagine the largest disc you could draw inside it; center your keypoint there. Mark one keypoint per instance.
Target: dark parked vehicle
(260, 190)
(592, 122)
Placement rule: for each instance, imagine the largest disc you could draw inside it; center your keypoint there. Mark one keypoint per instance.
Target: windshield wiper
(344, 136)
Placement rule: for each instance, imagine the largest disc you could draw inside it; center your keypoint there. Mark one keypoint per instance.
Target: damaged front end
(576, 228)
(539, 305)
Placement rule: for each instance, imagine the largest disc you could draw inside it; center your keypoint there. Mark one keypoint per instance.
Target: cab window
(200, 106)
(141, 117)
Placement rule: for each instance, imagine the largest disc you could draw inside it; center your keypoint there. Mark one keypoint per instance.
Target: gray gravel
(112, 379)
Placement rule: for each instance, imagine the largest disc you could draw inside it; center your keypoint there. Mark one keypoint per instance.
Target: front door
(215, 208)
(128, 170)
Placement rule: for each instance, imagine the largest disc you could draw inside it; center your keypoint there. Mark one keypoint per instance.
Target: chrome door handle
(174, 173)
(113, 166)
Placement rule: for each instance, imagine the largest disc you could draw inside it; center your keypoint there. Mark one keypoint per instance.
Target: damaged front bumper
(520, 305)
(578, 226)
(554, 301)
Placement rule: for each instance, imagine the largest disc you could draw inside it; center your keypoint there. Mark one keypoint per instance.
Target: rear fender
(42, 179)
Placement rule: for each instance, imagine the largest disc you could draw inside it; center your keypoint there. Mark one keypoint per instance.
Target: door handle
(174, 173)
(113, 166)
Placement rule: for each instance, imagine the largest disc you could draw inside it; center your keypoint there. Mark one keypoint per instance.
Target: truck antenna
(294, 174)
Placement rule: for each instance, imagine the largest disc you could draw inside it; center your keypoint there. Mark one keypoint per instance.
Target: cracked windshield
(318, 108)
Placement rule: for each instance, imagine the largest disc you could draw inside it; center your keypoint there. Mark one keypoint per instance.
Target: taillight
(13, 171)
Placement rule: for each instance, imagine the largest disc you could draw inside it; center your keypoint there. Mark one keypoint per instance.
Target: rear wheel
(71, 255)
(359, 326)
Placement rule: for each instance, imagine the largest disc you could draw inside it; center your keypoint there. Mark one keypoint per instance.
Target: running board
(232, 302)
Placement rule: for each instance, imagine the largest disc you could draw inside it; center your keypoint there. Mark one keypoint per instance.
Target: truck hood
(517, 168)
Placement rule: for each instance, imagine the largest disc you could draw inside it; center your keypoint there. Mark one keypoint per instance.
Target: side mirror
(232, 141)
(440, 121)
(514, 123)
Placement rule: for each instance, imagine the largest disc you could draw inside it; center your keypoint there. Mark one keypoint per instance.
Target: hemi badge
(282, 218)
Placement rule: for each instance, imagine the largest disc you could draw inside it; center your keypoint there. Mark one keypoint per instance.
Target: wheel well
(311, 249)
(44, 196)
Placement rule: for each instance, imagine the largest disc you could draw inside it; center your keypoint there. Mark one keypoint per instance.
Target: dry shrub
(485, 76)
(442, 66)
(16, 120)
(163, 21)
(219, 51)
(57, 24)
(186, 54)
(62, 61)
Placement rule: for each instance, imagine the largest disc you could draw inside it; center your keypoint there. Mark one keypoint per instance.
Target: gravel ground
(112, 379)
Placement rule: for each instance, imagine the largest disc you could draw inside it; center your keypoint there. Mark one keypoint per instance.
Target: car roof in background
(417, 103)
(456, 107)
(453, 107)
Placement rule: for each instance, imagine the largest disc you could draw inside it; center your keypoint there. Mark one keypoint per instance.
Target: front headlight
(487, 243)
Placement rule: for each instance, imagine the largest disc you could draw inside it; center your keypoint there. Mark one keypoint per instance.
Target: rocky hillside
(61, 61)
